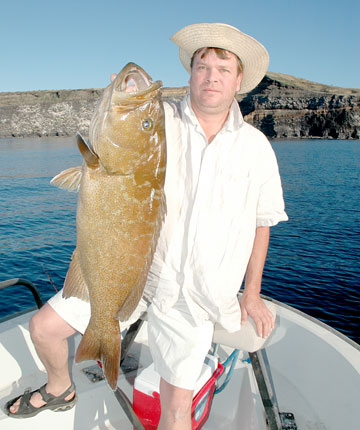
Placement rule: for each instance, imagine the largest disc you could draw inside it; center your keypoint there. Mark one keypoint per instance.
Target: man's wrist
(252, 290)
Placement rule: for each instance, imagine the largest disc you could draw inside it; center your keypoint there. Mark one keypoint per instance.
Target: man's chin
(211, 99)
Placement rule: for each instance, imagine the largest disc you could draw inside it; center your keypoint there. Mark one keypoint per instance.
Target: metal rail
(276, 420)
(20, 281)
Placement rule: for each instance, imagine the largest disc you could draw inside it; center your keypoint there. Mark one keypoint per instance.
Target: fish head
(128, 126)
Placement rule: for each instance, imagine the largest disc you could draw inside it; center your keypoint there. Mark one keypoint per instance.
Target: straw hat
(252, 53)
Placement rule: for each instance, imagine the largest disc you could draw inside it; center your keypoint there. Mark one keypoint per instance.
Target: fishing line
(51, 282)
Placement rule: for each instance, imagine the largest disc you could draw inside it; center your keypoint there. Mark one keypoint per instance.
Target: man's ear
(238, 84)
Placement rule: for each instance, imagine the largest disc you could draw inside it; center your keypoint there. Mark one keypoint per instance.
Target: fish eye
(147, 124)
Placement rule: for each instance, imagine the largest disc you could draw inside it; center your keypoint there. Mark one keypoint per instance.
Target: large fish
(120, 210)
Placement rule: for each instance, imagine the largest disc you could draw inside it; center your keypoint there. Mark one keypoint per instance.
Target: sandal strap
(25, 400)
(47, 397)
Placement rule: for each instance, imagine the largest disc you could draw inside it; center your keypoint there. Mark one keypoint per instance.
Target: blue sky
(66, 44)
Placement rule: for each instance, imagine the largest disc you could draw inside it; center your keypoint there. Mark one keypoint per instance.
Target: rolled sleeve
(271, 206)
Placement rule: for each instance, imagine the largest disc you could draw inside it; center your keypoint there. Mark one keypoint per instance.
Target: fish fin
(68, 179)
(105, 347)
(133, 298)
(91, 159)
(75, 285)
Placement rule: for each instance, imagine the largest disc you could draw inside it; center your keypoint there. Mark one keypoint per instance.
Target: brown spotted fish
(120, 210)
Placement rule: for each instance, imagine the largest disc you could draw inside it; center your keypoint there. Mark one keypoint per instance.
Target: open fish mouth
(133, 79)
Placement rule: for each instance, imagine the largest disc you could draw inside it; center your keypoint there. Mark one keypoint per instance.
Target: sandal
(54, 403)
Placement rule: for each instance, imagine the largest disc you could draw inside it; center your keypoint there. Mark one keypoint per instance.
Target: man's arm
(251, 303)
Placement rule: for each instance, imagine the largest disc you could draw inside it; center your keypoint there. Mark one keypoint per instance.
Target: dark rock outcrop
(281, 106)
(286, 107)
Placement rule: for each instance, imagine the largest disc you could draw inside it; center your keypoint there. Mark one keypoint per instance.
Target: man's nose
(212, 75)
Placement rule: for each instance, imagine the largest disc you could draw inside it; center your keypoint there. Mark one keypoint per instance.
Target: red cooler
(146, 398)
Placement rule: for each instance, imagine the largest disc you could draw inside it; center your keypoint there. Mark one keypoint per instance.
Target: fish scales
(121, 206)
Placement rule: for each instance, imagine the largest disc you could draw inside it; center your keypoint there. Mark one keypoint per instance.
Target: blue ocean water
(313, 259)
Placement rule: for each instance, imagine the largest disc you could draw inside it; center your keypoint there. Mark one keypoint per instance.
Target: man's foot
(31, 403)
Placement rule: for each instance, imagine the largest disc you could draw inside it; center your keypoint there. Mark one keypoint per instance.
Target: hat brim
(252, 53)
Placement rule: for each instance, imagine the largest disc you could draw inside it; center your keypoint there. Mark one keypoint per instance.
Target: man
(224, 196)
(223, 193)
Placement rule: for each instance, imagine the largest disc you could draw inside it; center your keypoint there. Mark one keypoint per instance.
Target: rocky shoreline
(282, 106)
(286, 107)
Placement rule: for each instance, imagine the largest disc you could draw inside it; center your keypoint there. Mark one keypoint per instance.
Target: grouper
(120, 210)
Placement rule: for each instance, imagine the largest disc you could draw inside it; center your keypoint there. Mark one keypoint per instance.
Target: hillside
(282, 106)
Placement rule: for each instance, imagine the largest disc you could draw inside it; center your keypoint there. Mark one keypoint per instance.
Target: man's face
(213, 82)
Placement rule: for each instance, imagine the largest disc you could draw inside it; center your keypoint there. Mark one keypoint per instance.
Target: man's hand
(253, 306)
(251, 303)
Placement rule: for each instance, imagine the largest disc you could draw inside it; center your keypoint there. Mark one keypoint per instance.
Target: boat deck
(316, 374)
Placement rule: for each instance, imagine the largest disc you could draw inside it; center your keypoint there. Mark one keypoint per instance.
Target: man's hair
(221, 53)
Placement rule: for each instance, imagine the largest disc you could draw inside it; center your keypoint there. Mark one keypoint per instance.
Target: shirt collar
(233, 123)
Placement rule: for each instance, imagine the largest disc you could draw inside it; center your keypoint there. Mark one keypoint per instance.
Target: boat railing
(24, 282)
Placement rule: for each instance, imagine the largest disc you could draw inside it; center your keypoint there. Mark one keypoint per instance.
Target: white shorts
(76, 312)
(178, 346)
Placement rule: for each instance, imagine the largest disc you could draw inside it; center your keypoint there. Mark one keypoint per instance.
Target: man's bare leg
(49, 333)
(175, 407)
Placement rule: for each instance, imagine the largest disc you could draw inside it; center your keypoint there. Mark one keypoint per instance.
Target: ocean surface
(313, 259)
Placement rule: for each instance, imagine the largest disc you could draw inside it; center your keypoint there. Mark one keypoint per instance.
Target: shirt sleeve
(271, 206)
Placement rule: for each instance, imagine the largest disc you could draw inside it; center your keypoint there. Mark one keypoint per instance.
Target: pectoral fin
(68, 179)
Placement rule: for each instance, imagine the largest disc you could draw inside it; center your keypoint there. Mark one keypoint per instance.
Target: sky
(73, 44)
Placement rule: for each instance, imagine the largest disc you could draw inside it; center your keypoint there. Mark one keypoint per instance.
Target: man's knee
(46, 325)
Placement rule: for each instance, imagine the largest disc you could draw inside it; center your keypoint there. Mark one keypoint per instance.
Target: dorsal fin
(91, 159)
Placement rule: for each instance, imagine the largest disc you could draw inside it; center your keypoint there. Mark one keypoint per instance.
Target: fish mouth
(133, 80)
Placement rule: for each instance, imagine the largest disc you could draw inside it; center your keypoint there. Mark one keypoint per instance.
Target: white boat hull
(316, 374)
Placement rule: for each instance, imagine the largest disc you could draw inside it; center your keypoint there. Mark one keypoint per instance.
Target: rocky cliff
(286, 107)
(281, 106)
(47, 113)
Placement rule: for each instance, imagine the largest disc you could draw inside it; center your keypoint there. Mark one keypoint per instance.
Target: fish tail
(105, 347)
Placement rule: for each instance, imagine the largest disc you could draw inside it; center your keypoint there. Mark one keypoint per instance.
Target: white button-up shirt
(216, 196)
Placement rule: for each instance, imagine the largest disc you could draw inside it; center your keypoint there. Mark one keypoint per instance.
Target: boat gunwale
(290, 308)
(314, 320)
(18, 314)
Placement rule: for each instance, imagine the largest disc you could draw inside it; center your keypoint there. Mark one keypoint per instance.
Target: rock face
(47, 113)
(281, 106)
(286, 107)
